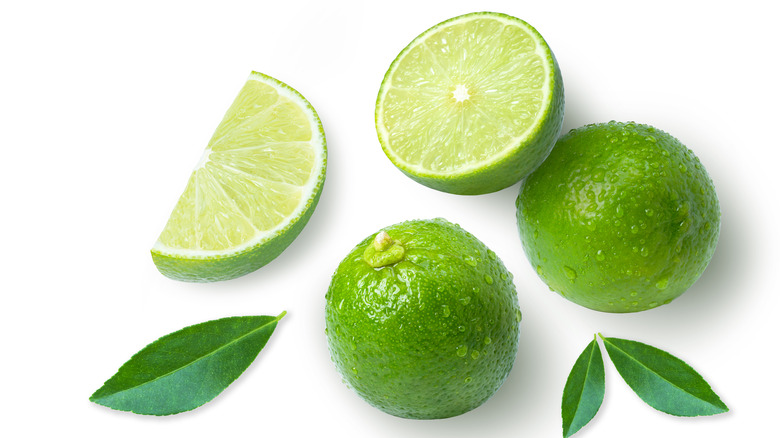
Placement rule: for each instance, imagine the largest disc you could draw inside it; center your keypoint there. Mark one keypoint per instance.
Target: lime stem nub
(382, 241)
(383, 251)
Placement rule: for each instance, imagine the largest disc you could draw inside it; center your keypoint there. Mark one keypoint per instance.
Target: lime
(422, 320)
(472, 105)
(253, 190)
(620, 218)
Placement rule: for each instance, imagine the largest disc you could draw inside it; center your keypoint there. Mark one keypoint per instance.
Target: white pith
(461, 93)
(317, 143)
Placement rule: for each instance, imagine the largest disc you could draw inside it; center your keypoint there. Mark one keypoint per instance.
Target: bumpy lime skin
(621, 217)
(518, 163)
(432, 336)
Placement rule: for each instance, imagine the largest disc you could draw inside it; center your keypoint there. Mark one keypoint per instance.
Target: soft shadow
(719, 294)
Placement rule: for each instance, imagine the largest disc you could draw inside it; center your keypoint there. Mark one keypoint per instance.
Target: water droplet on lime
(462, 350)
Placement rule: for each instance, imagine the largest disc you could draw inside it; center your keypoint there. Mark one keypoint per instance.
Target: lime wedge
(472, 105)
(253, 190)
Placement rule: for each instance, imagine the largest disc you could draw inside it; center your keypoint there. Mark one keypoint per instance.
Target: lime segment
(253, 189)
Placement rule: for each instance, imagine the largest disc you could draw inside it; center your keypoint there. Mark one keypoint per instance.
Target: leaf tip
(722, 408)
(567, 431)
(96, 396)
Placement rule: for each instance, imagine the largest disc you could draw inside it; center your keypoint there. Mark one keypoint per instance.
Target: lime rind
(220, 267)
(519, 157)
(199, 265)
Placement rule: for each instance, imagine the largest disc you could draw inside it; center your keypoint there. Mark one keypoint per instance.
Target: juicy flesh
(251, 178)
(463, 95)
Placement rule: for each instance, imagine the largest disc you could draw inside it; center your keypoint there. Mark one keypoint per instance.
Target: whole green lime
(620, 218)
(422, 320)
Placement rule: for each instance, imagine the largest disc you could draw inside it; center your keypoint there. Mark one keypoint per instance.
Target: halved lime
(472, 105)
(253, 190)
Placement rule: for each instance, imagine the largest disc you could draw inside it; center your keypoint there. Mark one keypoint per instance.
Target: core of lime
(422, 320)
(620, 218)
(472, 105)
(253, 190)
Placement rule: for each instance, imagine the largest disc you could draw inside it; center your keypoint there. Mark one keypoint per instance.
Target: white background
(105, 109)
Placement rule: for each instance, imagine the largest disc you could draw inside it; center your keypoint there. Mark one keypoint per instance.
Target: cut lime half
(253, 190)
(472, 105)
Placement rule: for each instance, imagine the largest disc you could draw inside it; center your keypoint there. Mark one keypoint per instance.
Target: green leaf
(584, 390)
(662, 380)
(187, 368)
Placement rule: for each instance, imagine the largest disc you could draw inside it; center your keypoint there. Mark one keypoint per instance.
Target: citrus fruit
(472, 105)
(253, 190)
(621, 217)
(422, 320)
